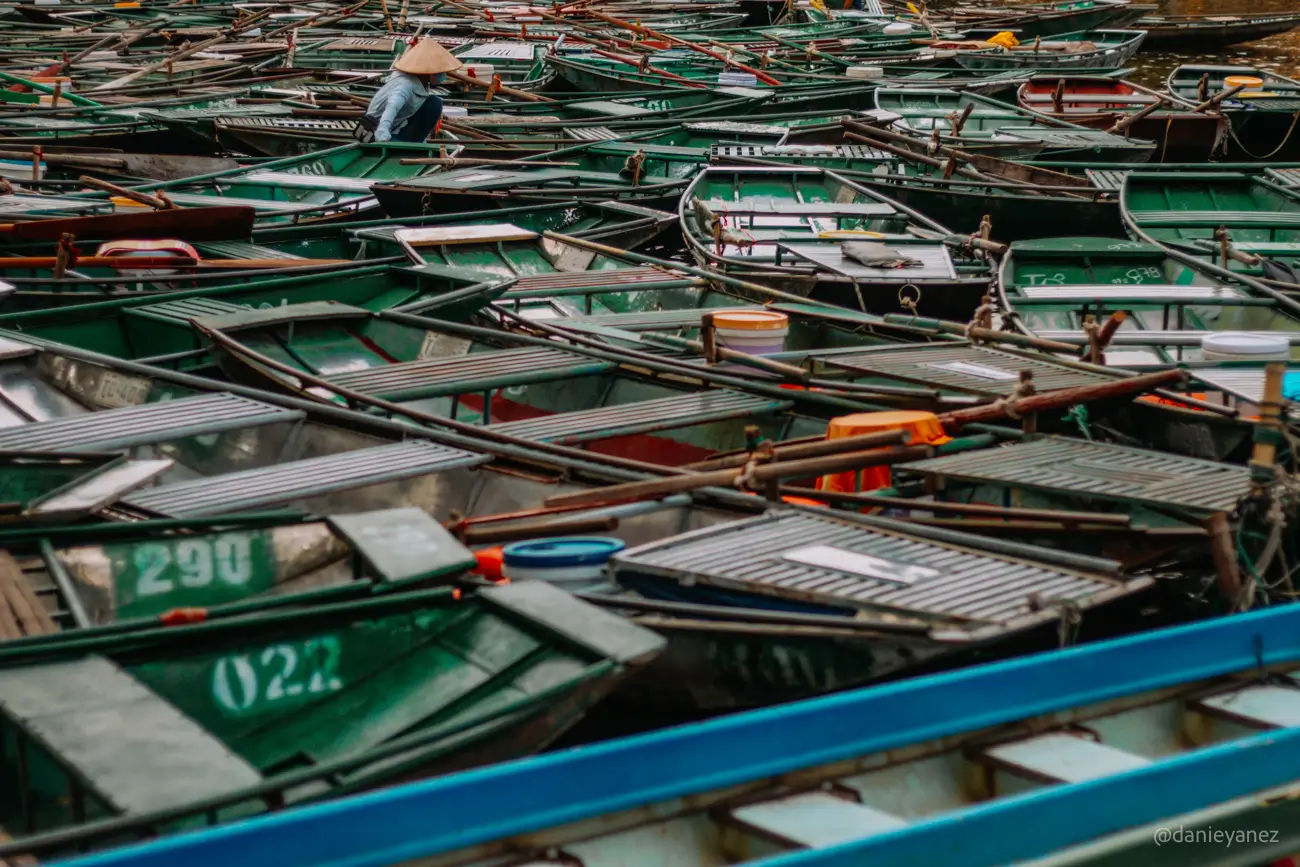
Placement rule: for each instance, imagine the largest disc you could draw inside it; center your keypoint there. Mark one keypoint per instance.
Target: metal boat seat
(1058, 757)
(262, 206)
(591, 281)
(300, 181)
(118, 739)
(1139, 293)
(181, 311)
(288, 482)
(812, 820)
(663, 413)
(1262, 706)
(936, 263)
(1215, 219)
(144, 424)
(1098, 471)
(802, 209)
(467, 374)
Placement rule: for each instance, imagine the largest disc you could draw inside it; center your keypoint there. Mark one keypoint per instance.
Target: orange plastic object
(491, 563)
(183, 616)
(924, 427)
(1155, 398)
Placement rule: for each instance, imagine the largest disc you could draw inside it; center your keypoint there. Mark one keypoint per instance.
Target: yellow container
(1252, 83)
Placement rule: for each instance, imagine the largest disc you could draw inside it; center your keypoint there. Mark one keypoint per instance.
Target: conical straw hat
(427, 58)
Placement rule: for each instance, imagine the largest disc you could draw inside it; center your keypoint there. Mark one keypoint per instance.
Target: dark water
(1279, 53)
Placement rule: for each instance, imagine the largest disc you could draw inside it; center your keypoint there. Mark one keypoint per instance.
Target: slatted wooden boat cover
(499, 51)
(181, 311)
(758, 151)
(296, 480)
(125, 744)
(146, 423)
(467, 374)
(963, 367)
(1087, 469)
(1107, 179)
(801, 557)
(646, 416)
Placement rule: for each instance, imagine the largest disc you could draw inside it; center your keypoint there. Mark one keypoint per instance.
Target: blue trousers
(419, 125)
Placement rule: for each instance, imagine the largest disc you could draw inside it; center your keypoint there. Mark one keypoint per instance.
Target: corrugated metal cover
(289, 124)
(662, 413)
(466, 374)
(1242, 382)
(750, 555)
(1098, 470)
(1107, 179)
(285, 483)
(964, 367)
(146, 423)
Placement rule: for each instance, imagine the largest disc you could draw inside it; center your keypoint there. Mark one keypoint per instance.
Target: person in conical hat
(404, 109)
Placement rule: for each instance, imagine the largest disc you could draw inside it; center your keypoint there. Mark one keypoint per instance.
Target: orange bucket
(923, 426)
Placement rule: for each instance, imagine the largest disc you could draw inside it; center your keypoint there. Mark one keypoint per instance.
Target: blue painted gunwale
(395, 825)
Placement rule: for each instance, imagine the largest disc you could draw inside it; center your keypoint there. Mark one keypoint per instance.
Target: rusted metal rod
(759, 474)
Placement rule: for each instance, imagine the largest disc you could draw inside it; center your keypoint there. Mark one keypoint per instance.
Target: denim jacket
(399, 98)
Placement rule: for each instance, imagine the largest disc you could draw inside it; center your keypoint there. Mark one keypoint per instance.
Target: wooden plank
(27, 610)
(437, 235)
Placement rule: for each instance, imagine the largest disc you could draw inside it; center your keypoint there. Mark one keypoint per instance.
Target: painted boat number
(248, 682)
(116, 390)
(193, 563)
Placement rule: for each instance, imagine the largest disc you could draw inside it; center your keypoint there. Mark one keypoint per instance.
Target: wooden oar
(156, 202)
(217, 223)
(246, 24)
(761, 473)
(134, 263)
(646, 31)
(509, 91)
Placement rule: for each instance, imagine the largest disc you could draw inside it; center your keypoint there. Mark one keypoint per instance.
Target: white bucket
(1245, 346)
(574, 563)
(898, 28)
(755, 332)
(455, 111)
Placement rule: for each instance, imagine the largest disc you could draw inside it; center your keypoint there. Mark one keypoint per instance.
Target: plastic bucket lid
(562, 552)
(1246, 344)
(751, 320)
(1249, 80)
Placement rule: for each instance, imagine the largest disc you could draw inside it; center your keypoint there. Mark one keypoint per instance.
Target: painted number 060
(193, 563)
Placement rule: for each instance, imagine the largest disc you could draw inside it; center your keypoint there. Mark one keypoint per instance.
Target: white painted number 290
(193, 563)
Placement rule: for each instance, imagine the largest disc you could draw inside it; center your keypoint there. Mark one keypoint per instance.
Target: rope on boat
(1286, 138)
